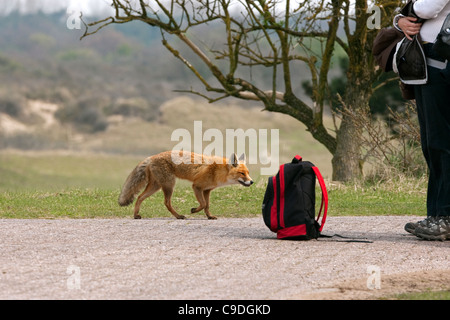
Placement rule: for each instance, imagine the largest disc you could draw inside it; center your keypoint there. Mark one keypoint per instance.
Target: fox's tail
(135, 182)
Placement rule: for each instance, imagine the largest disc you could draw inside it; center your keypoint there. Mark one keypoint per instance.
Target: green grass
(398, 197)
(71, 203)
(234, 201)
(426, 295)
(44, 185)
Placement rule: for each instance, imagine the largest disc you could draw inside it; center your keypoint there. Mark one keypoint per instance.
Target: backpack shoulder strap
(324, 204)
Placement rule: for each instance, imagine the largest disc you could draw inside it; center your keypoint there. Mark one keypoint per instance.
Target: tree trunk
(346, 159)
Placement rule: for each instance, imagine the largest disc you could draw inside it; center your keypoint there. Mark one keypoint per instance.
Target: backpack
(289, 202)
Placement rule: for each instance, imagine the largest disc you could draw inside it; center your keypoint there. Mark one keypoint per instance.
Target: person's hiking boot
(435, 228)
(412, 226)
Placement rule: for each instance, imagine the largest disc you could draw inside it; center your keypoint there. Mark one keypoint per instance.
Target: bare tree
(277, 35)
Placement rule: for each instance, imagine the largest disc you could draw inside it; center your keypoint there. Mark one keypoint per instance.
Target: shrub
(86, 114)
(12, 105)
(133, 107)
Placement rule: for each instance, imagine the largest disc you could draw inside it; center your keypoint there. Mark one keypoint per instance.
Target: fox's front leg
(206, 197)
(203, 199)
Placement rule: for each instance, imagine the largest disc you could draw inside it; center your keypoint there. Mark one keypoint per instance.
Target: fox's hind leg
(151, 188)
(167, 182)
(168, 190)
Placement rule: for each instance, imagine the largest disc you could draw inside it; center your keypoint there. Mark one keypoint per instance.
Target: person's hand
(408, 26)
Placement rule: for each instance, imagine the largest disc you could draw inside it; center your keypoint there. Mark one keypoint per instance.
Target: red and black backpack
(289, 202)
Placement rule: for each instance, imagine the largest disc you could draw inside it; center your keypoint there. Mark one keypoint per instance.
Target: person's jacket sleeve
(429, 9)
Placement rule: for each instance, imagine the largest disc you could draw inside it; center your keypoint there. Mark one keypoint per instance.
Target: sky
(88, 7)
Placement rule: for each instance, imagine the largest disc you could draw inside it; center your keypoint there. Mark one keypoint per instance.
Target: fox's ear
(234, 160)
(242, 158)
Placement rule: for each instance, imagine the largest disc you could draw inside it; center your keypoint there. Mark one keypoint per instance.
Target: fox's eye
(242, 174)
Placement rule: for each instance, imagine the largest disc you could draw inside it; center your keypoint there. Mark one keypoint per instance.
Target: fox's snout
(245, 183)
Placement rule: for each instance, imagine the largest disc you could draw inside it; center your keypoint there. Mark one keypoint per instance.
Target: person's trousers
(433, 109)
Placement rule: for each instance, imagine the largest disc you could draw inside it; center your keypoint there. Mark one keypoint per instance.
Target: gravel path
(221, 259)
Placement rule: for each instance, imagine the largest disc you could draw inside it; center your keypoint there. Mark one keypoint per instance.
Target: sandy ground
(220, 259)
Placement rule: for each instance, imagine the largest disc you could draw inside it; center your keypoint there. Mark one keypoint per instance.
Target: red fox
(160, 172)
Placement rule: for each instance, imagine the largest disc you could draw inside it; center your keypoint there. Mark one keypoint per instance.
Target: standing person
(433, 109)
